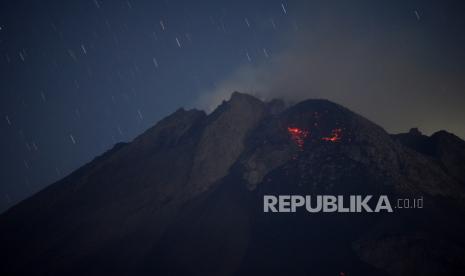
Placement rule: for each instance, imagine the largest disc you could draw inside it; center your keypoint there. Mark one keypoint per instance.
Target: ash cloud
(397, 73)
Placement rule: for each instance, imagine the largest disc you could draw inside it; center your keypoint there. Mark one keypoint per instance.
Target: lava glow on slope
(298, 135)
(336, 136)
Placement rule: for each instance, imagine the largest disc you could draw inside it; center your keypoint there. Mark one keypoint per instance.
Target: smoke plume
(398, 75)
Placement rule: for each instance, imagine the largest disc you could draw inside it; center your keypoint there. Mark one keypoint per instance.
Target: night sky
(79, 76)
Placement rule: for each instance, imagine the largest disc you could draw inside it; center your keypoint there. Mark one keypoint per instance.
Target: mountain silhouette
(186, 198)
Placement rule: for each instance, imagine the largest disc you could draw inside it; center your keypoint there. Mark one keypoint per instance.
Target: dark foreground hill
(186, 198)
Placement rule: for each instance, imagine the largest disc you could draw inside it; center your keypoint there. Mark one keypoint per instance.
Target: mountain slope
(186, 197)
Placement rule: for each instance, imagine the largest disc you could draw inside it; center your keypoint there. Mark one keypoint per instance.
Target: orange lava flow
(336, 136)
(298, 135)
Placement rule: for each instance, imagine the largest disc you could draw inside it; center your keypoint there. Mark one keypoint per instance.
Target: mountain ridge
(188, 192)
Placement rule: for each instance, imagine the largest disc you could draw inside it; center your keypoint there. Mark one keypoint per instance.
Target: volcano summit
(186, 198)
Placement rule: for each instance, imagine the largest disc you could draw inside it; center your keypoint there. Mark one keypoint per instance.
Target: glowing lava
(336, 136)
(298, 135)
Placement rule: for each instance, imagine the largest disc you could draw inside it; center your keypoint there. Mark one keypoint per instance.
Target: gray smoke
(397, 77)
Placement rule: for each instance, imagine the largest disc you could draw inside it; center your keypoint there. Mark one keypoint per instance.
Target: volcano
(186, 198)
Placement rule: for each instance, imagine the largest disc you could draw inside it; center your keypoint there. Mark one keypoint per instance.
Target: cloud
(391, 76)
